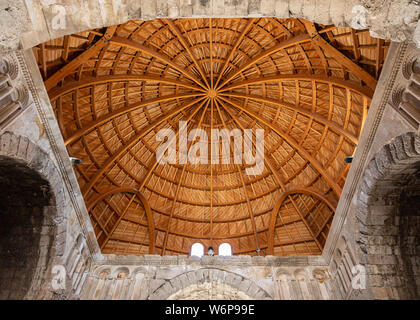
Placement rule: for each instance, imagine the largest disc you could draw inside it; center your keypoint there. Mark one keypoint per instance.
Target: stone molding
(34, 83)
(29, 22)
(200, 276)
(386, 84)
(15, 97)
(183, 260)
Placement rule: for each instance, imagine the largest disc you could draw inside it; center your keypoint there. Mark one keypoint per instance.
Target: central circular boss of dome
(211, 93)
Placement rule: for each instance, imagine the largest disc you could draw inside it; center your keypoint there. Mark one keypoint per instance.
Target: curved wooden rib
(131, 143)
(251, 214)
(138, 46)
(242, 35)
(348, 84)
(187, 47)
(283, 196)
(92, 125)
(334, 186)
(287, 43)
(146, 206)
(230, 64)
(353, 67)
(315, 116)
(178, 187)
(156, 162)
(82, 58)
(266, 157)
(89, 81)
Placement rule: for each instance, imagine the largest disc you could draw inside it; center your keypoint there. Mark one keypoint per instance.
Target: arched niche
(303, 213)
(122, 220)
(203, 278)
(29, 219)
(389, 220)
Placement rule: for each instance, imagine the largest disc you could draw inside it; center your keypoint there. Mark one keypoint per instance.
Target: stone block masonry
(25, 24)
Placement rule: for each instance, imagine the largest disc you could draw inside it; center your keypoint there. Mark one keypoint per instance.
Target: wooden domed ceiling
(308, 86)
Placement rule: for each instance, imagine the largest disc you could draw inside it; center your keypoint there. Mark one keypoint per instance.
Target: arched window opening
(225, 249)
(197, 250)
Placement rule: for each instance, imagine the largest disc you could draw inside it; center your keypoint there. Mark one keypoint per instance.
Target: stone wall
(26, 23)
(385, 121)
(25, 206)
(31, 142)
(389, 220)
(154, 277)
(61, 245)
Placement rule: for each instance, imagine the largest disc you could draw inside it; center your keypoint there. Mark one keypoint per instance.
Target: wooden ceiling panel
(308, 86)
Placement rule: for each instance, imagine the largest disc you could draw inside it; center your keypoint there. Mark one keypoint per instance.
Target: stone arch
(389, 220)
(121, 273)
(103, 272)
(33, 239)
(202, 276)
(53, 20)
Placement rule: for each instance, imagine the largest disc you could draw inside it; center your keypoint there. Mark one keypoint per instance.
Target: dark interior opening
(23, 196)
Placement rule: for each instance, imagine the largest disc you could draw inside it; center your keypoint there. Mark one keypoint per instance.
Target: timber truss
(308, 86)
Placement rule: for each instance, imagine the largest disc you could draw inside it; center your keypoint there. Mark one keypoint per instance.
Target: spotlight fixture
(75, 160)
(348, 159)
(258, 250)
(210, 251)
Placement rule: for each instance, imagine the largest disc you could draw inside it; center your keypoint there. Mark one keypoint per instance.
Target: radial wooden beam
(138, 46)
(104, 243)
(348, 84)
(121, 217)
(178, 187)
(211, 173)
(156, 161)
(284, 44)
(251, 214)
(351, 66)
(333, 125)
(109, 116)
(185, 44)
(131, 143)
(150, 222)
(266, 157)
(279, 181)
(318, 244)
(90, 81)
(211, 54)
(235, 46)
(309, 191)
(79, 60)
(232, 63)
(315, 163)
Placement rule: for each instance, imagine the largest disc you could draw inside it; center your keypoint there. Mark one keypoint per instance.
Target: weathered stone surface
(44, 20)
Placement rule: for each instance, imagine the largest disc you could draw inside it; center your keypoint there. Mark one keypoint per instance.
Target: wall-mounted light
(210, 251)
(348, 159)
(75, 160)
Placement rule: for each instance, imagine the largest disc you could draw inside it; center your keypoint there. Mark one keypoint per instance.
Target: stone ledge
(182, 260)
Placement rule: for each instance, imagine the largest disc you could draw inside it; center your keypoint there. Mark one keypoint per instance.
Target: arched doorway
(210, 290)
(209, 283)
(27, 219)
(389, 220)
(23, 196)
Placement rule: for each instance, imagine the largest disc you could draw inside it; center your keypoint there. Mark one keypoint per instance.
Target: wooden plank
(79, 60)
